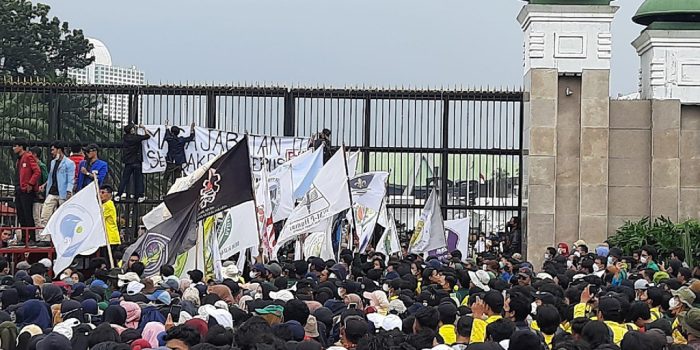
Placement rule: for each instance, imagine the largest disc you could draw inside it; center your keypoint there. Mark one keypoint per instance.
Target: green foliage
(661, 233)
(34, 45)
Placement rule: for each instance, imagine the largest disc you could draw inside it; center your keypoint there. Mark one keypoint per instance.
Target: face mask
(501, 264)
(673, 303)
(569, 264)
(484, 267)
(643, 260)
(578, 254)
(257, 296)
(332, 275)
(341, 292)
(385, 287)
(534, 308)
(63, 276)
(547, 256)
(610, 261)
(596, 268)
(253, 274)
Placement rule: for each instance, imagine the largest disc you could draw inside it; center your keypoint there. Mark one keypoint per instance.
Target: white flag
(77, 226)
(457, 235)
(429, 232)
(238, 232)
(264, 214)
(329, 194)
(352, 163)
(389, 242)
(319, 244)
(368, 191)
(292, 180)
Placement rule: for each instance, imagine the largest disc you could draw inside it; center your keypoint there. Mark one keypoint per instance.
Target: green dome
(569, 2)
(668, 12)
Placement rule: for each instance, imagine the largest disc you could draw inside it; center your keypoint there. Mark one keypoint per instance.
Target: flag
(227, 182)
(77, 226)
(319, 244)
(238, 231)
(389, 242)
(352, 163)
(482, 178)
(329, 194)
(429, 232)
(457, 235)
(264, 214)
(292, 180)
(368, 191)
(162, 244)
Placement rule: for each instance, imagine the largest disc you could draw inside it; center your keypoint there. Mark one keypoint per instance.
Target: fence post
(289, 113)
(366, 136)
(211, 110)
(444, 155)
(53, 119)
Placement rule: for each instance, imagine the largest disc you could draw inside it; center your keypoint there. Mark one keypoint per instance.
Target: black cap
(195, 275)
(350, 286)
(447, 310)
(609, 304)
(494, 299)
(91, 147)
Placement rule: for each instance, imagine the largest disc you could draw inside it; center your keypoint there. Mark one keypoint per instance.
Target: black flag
(226, 183)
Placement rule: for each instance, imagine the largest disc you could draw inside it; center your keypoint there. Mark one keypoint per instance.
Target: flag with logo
(429, 232)
(368, 191)
(238, 231)
(389, 241)
(264, 214)
(329, 194)
(292, 180)
(77, 226)
(457, 235)
(226, 182)
(162, 244)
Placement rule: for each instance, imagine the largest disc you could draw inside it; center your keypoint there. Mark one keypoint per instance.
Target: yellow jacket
(478, 334)
(677, 336)
(618, 331)
(110, 215)
(448, 333)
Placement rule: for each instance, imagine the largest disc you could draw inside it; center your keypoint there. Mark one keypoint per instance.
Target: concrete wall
(593, 163)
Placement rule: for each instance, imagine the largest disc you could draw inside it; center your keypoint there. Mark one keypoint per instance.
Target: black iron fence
(467, 143)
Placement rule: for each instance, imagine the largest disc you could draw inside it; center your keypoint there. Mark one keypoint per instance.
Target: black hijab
(52, 294)
(9, 297)
(115, 314)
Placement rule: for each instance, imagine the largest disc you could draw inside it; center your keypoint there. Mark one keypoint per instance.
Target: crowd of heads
(579, 298)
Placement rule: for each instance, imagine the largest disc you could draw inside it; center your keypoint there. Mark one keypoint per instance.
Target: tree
(34, 45)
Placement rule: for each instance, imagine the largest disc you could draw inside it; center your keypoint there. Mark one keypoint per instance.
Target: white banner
(368, 191)
(429, 233)
(238, 231)
(209, 143)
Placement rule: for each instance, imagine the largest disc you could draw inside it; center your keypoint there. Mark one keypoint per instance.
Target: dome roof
(100, 52)
(675, 11)
(569, 2)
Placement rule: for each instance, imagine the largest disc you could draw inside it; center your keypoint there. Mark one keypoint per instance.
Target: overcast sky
(316, 42)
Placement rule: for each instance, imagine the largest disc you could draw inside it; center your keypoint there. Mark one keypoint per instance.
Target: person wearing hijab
(8, 335)
(9, 297)
(81, 333)
(115, 315)
(353, 299)
(102, 334)
(191, 294)
(54, 341)
(34, 312)
(77, 291)
(151, 331)
(133, 314)
(199, 325)
(222, 292)
(91, 311)
(53, 295)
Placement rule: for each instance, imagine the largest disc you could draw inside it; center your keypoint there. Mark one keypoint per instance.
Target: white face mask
(547, 256)
(257, 296)
(643, 260)
(534, 308)
(341, 292)
(385, 287)
(332, 275)
(610, 261)
(578, 254)
(501, 264)
(63, 276)
(569, 264)
(673, 303)
(253, 274)
(484, 267)
(596, 268)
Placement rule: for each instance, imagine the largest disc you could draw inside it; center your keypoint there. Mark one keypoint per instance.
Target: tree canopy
(34, 45)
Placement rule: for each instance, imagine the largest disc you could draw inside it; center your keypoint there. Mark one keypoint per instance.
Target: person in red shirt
(26, 184)
(77, 156)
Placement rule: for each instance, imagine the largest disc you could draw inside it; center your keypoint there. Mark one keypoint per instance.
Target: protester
(132, 158)
(109, 212)
(175, 158)
(40, 196)
(92, 168)
(26, 185)
(59, 186)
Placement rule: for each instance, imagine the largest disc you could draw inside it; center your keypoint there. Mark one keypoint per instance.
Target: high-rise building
(102, 72)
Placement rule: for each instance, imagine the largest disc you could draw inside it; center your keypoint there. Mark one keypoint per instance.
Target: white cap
(391, 321)
(641, 284)
(283, 295)
(134, 287)
(127, 277)
(46, 262)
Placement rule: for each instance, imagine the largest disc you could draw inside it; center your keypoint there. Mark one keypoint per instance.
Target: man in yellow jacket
(110, 215)
(485, 312)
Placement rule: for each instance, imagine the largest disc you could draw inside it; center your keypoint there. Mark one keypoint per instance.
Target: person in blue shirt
(91, 168)
(58, 186)
(175, 159)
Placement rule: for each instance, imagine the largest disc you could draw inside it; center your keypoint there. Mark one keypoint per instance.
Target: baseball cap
(127, 277)
(494, 299)
(447, 309)
(160, 295)
(609, 304)
(274, 268)
(46, 262)
(641, 284)
(23, 265)
(195, 275)
(134, 287)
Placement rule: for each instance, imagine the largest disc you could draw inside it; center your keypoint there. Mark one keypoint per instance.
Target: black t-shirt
(54, 179)
(132, 152)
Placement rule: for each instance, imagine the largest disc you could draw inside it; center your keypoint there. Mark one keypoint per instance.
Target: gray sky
(315, 42)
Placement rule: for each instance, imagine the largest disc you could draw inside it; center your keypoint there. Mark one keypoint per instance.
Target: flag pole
(104, 227)
(352, 210)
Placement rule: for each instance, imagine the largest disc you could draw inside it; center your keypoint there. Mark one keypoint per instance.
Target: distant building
(102, 72)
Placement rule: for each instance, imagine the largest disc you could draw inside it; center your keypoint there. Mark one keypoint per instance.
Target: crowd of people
(41, 189)
(577, 300)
